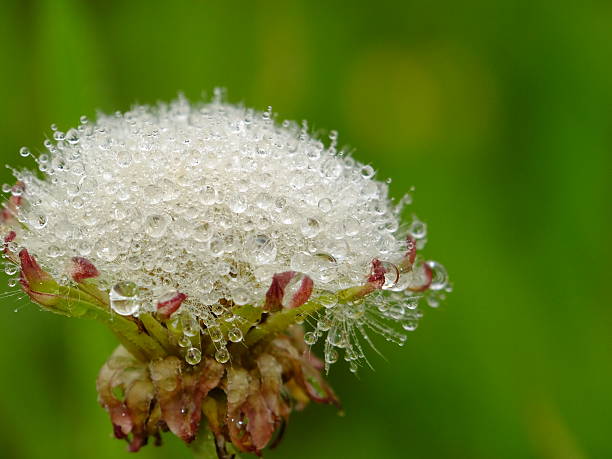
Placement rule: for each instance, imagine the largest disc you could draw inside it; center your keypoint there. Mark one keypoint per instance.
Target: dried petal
(274, 295)
(167, 307)
(249, 420)
(180, 392)
(297, 296)
(283, 292)
(83, 269)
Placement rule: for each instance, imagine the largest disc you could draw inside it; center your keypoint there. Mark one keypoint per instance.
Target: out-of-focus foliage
(499, 113)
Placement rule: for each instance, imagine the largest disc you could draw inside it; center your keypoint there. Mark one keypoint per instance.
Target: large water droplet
(392, 275)
(123, 298)
(418, 229)
(325, 205)
(208, 195)
(324, 267)
(261, 249)
(310, 338)
(439, 276)
(193, 356)
(156, 225)
(235, 335)
(310, 227)
(215, 333)
(222, 355)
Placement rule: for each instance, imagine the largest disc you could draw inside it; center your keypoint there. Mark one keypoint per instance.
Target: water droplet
(324, 267)
(237, 204)
(240, 296)
(261, 249)
(325, 205)
(410, 325)
(216, 246)
(156, 225)
(301, 262)
(392, 275)
(439, 276)
(418, 229)
(123, 298)
(217, 309)
(124, 158)
(235, 335)
(367, 171)
(174, 325)
(72, 136)
(222, 355)
(215, 333)
(324, 323)
(331, 356)
(310, 338)
(11, 268)
(351, 226)
(184, 341)
(208, 195)
(310, 227)
(39, 221)
(193, 356)
(190, 324)
(88, 185)
(328, 301)
(24, 151)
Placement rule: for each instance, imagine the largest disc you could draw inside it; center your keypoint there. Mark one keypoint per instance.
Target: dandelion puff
(208, 237)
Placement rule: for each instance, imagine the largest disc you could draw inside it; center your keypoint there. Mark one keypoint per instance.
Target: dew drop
(418, 229)
(235, 335)
(190, 324)
(439, 276)
(123, 298)
(39, 221)
(367, 171)
(261, 249)
(208, 195)
(156, 225)
(351, 226)
(184, 341)
(331, 356)
(10, 268)
(328, 301)
(310, 338)
(392, 275)
(215, 333)
(240, 296)
(310, 227)
(222, 355)
(325, 205)
(193, 356)
(124, 159)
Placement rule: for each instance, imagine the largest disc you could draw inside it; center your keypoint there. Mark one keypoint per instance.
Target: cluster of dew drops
(211, 200)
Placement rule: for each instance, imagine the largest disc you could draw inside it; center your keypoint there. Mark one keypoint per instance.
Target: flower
(201, 235)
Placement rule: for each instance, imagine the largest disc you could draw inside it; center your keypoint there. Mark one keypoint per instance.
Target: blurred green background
(499, 113)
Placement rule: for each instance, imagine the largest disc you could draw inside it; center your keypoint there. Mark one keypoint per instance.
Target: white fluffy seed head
(209, 200)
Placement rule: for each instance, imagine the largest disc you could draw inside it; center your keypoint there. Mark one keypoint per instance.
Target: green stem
(203, 447)
(280, 321)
